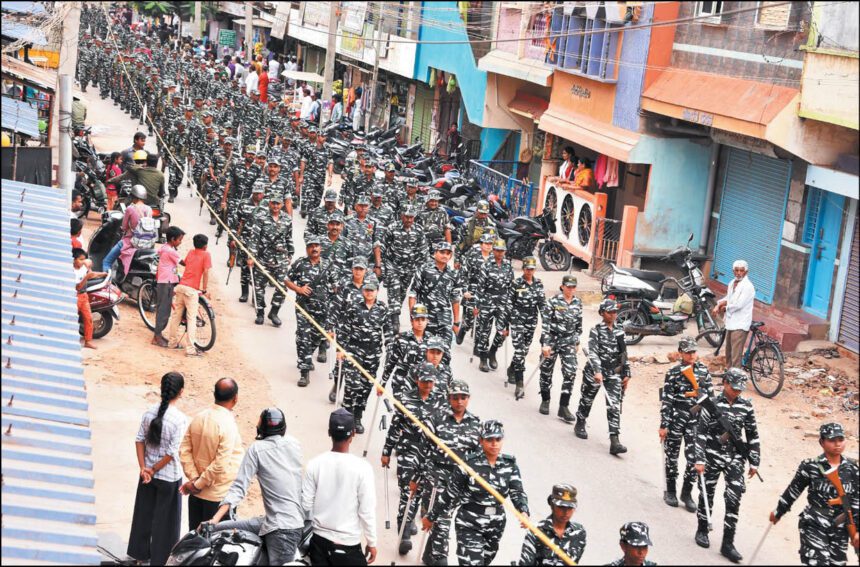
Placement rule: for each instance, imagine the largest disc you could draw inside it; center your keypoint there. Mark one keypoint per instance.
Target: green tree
(154, 8)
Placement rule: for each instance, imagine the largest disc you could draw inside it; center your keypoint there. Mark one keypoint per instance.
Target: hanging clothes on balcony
(600, 171)
(611, 175)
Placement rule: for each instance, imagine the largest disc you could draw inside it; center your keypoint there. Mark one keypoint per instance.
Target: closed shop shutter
(422, 117)
(751, 216)
(850, 319)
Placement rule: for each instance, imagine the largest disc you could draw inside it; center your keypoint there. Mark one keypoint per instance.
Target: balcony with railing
(499, 178)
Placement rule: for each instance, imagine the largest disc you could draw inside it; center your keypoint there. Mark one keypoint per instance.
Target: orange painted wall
(597, 105)
(662, 37)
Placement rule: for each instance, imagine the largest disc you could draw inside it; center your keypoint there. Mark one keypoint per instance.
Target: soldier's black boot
(405, 545)
(357, 413)
(702, 539)
(687, 496)
(519, 393)
(483, 367)
(492, 358)
(244, 297)
(544, 405)
(322, 355)
(461, 334)
(563, 410)
(669, 496)
(261, 315)
(727, 549)
(305, 378)
(579, 428)
(273, 316)
(332, 396)
(615, 446)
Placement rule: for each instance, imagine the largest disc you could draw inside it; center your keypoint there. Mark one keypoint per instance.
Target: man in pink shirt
(166, 279)
(194, 280)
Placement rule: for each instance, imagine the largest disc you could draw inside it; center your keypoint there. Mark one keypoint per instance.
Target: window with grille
(709, 12)
(773, 15)
(584, 45)
(813, 204)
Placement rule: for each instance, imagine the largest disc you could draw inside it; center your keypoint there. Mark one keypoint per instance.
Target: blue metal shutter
(422, 115)
(751, 216)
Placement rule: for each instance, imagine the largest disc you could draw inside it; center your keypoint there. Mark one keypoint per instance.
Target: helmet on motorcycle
(272, 422)
(139, 155)
(138, 191)
(483, 207)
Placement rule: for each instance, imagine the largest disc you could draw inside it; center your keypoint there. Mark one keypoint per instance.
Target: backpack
(145, 234)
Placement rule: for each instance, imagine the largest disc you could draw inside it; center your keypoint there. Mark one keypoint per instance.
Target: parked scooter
(91, 188)
(524, 233)
(644, 311)
(144, 264)
(104, 297)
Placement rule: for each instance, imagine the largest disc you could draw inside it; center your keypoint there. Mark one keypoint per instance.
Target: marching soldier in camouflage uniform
(270, 241)
(476, 226)
(404, 249)
(176, 141)
(380, 212)
(353, 169)
(243, 218)
(361, 230)
(527, 302)
(607, 365)
(363, 184)
(336, 250)
(717, 455)
(469, 270)
(635, 541)
(678, 419)
(569, 536)
(409, 197)
(561, 323)
(388, 186)
(436, 353)
(481, 519)
(307, 278)
(409, 441)
(244, 177)
(314, 171)
(276, 185)
(438, 286)
(346, 293)
(823, 537)
(86, 63)
(317, 224)
(369, 330)
(434, 220)
(219, 172)
(460, 430)
(406, 352)
(492, 289)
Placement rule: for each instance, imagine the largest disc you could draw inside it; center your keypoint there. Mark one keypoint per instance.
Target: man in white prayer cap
(737, 306)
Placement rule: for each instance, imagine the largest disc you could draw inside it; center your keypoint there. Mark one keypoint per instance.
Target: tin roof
(48, 499)
(18, 30)
(34, 8)
(45, 79)
(20, 116)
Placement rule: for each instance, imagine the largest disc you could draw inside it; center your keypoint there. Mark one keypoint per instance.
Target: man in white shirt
(339, 494)
(252, 81)
(738, 308)
(307, 103)
(274, 67)
(241, 72)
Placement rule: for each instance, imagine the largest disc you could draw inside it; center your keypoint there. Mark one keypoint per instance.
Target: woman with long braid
(158, 506)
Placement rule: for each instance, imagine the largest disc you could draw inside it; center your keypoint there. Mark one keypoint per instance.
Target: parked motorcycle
(144, 264)
(643, 311)
(524, 233)
(104, 297)
(91, 188)
(231, 547)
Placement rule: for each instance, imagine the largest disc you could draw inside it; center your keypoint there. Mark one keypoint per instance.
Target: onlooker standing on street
(339, 494)
(83, 274)
(210, 453)
(155, 525)
(187, 292)
(275, 458)
(166, 279)
(738, 308)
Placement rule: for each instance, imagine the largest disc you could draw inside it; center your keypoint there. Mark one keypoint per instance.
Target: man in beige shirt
(211, 453)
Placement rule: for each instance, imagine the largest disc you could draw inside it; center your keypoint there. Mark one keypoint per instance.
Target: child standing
(83, 274)
(166, 279)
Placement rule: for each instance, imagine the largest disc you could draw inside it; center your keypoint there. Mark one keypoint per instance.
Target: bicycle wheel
(205, 338)
(766, 369)
(635, 317)
(147, 304)
(706, 322)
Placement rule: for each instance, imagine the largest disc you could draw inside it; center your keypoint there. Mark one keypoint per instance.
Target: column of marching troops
(384, 232)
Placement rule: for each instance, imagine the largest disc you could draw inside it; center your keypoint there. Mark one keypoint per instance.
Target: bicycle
(762, 358)
(147, 306)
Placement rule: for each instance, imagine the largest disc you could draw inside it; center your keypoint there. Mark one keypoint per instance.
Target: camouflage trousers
(308, 338)
(441, 327)
(175, 178)
(486, 319)
(357, 387)
(614, 397)
(466, 306)
(279, 273)
(822, 542)
(733, 470)
(681, 429)
(407, 466)
(312, 193)
(522, 334)
(567, 354)
(478, 535)
(397, 282)
(437, 539)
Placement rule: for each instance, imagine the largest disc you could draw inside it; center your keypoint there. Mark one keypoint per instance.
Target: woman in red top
(114, 169)
(263, 84)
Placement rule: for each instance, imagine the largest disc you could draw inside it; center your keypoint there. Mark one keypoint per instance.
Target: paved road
(611, 490)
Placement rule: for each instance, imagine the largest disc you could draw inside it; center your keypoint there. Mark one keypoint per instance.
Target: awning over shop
(504, 63)
(44, 79)
(528, 105)
(598, 136)
(20, 116)
(303, 76)
(737, 105)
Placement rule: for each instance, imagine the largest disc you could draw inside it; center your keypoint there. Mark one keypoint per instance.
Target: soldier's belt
(483, 510)
(825, 511)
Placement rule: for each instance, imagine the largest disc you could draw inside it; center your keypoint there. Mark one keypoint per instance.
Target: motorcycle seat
(507, 224)
(143, 254)
(756, 325)
(646, 275)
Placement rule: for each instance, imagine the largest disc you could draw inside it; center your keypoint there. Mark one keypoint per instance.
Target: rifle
(231, 263)
(847, 516)
(220, 231)
(729, 431)
(622, 348)
(688, 373)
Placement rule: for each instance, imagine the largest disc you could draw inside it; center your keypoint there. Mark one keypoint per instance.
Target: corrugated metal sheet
(34, 8)
(20, 116)
(45, 79)
(48, 499)
(17, 30)
(848, 323)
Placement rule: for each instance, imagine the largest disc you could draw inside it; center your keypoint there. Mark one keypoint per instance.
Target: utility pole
(198, 10)
(249, 31)
(65, 177)
(68, 62)
(328, 80)
(373, 85)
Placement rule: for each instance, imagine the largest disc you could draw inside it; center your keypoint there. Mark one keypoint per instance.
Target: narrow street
(123, 375)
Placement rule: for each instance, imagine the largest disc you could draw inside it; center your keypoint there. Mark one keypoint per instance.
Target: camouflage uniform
(402, 250)
(604, 356)
(492, 289)
(317, 224)
(822, 539)
(435, 223)
(316, 160)
(243, 219)
(635, 534)
(438, 290)
(384, 217)
(470, 267)
(270, 241)
(561, 324)
(308, 338)
(362, 236)
(527, 302)
(535, 552)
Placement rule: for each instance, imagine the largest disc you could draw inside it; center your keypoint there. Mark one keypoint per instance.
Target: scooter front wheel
(102, 324)
(635, 317)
